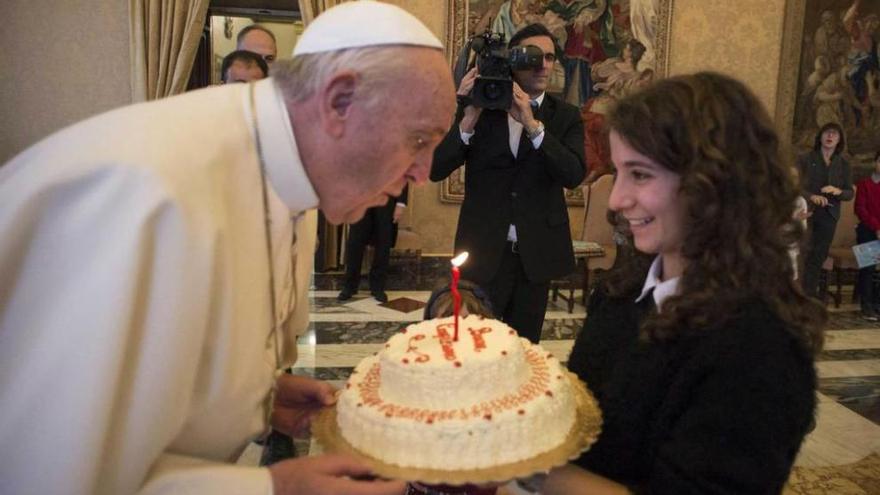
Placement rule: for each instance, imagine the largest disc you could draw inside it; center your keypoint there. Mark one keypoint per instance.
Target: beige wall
(741, 39)
(62, 62)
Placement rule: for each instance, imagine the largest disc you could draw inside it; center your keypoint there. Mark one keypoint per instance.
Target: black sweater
(815, 175)
(724, 411)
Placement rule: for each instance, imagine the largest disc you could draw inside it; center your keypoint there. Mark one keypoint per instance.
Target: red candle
(453, 288)
(456, 299)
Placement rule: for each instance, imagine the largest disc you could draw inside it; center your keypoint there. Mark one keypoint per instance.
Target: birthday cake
(428, 401)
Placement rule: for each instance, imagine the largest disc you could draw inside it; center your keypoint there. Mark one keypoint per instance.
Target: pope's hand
(328, 475)
(297, 400)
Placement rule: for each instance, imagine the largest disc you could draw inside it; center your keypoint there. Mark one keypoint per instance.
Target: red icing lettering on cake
(411, 348)
(446, 341)
(477, 335)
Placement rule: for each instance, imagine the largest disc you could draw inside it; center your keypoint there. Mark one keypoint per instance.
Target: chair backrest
(596, 226)
(845, 233)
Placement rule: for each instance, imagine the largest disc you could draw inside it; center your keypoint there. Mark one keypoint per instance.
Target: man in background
(514, 221)
(156, 259)
(243, 66)
(258, 39)
(377, 228)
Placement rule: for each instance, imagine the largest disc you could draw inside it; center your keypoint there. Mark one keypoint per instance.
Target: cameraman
(514, 221)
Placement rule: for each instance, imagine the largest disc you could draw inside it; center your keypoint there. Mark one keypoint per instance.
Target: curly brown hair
(738, 199)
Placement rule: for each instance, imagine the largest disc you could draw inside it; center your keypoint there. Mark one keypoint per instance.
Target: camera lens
(492, 91)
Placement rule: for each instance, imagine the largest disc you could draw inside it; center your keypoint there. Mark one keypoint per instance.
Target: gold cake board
(584, 432)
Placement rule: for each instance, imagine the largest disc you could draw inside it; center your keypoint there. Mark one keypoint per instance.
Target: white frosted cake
(425, 401)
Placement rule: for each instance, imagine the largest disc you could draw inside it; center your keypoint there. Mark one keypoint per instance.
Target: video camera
(493, 88)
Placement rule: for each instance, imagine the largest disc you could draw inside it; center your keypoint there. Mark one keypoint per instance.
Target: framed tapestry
(609, 48)
(830, 72)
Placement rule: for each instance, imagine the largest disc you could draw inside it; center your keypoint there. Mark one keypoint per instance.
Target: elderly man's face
(261, 43)
(392, 142)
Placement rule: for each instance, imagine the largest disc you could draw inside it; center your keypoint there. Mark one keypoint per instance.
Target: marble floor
(848, 421)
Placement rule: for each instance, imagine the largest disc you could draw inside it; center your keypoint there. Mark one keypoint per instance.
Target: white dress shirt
(662, 289)
(515, 130)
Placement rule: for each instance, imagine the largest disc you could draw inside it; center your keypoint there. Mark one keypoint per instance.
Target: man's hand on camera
(521, 108)
(471, 113)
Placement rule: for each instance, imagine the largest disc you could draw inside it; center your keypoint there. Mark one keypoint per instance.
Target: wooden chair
(597, 235)
(843, 261)
(597, 229)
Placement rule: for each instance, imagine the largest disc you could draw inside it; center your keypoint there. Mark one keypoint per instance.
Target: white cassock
(135, 346)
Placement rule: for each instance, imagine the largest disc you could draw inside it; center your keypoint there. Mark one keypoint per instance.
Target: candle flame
(460, 259)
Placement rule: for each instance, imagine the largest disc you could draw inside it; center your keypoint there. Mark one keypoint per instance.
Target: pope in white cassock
(150, 292)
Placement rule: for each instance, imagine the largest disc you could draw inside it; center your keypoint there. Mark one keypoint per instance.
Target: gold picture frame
(459, 12)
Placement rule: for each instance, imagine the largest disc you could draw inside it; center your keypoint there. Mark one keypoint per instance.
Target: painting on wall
(839, 74)
(608, 48)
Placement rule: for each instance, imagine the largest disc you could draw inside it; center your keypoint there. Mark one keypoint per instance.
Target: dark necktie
(536, 109)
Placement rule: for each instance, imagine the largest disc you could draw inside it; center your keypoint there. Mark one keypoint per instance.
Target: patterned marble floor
(848, 416)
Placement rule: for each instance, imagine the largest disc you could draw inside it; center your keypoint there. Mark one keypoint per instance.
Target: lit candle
(453, 288)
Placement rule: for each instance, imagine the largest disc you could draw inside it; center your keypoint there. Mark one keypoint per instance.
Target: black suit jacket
(378, 227)
(525, 191)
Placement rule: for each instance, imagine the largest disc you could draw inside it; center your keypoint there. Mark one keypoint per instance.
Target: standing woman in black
(826, 179)
(702, 363)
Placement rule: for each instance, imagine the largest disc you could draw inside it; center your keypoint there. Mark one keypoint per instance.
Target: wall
(741, 39)
(62, 62)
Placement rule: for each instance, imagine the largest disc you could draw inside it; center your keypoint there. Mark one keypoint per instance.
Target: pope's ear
(337, 96)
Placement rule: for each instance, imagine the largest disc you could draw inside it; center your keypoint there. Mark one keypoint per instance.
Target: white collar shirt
(659, 289)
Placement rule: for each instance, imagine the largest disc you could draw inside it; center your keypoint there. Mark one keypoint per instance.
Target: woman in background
(702, 363)
(826, 179)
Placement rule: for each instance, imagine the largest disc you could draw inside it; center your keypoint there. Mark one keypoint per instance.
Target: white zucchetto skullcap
(363, 23)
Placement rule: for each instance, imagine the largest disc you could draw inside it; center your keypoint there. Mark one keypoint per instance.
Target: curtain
(164, 39)
(311, 8)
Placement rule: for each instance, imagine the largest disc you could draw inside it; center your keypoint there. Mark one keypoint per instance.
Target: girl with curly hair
(702, 362)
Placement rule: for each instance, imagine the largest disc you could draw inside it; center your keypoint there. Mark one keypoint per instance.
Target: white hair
(377, 69)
